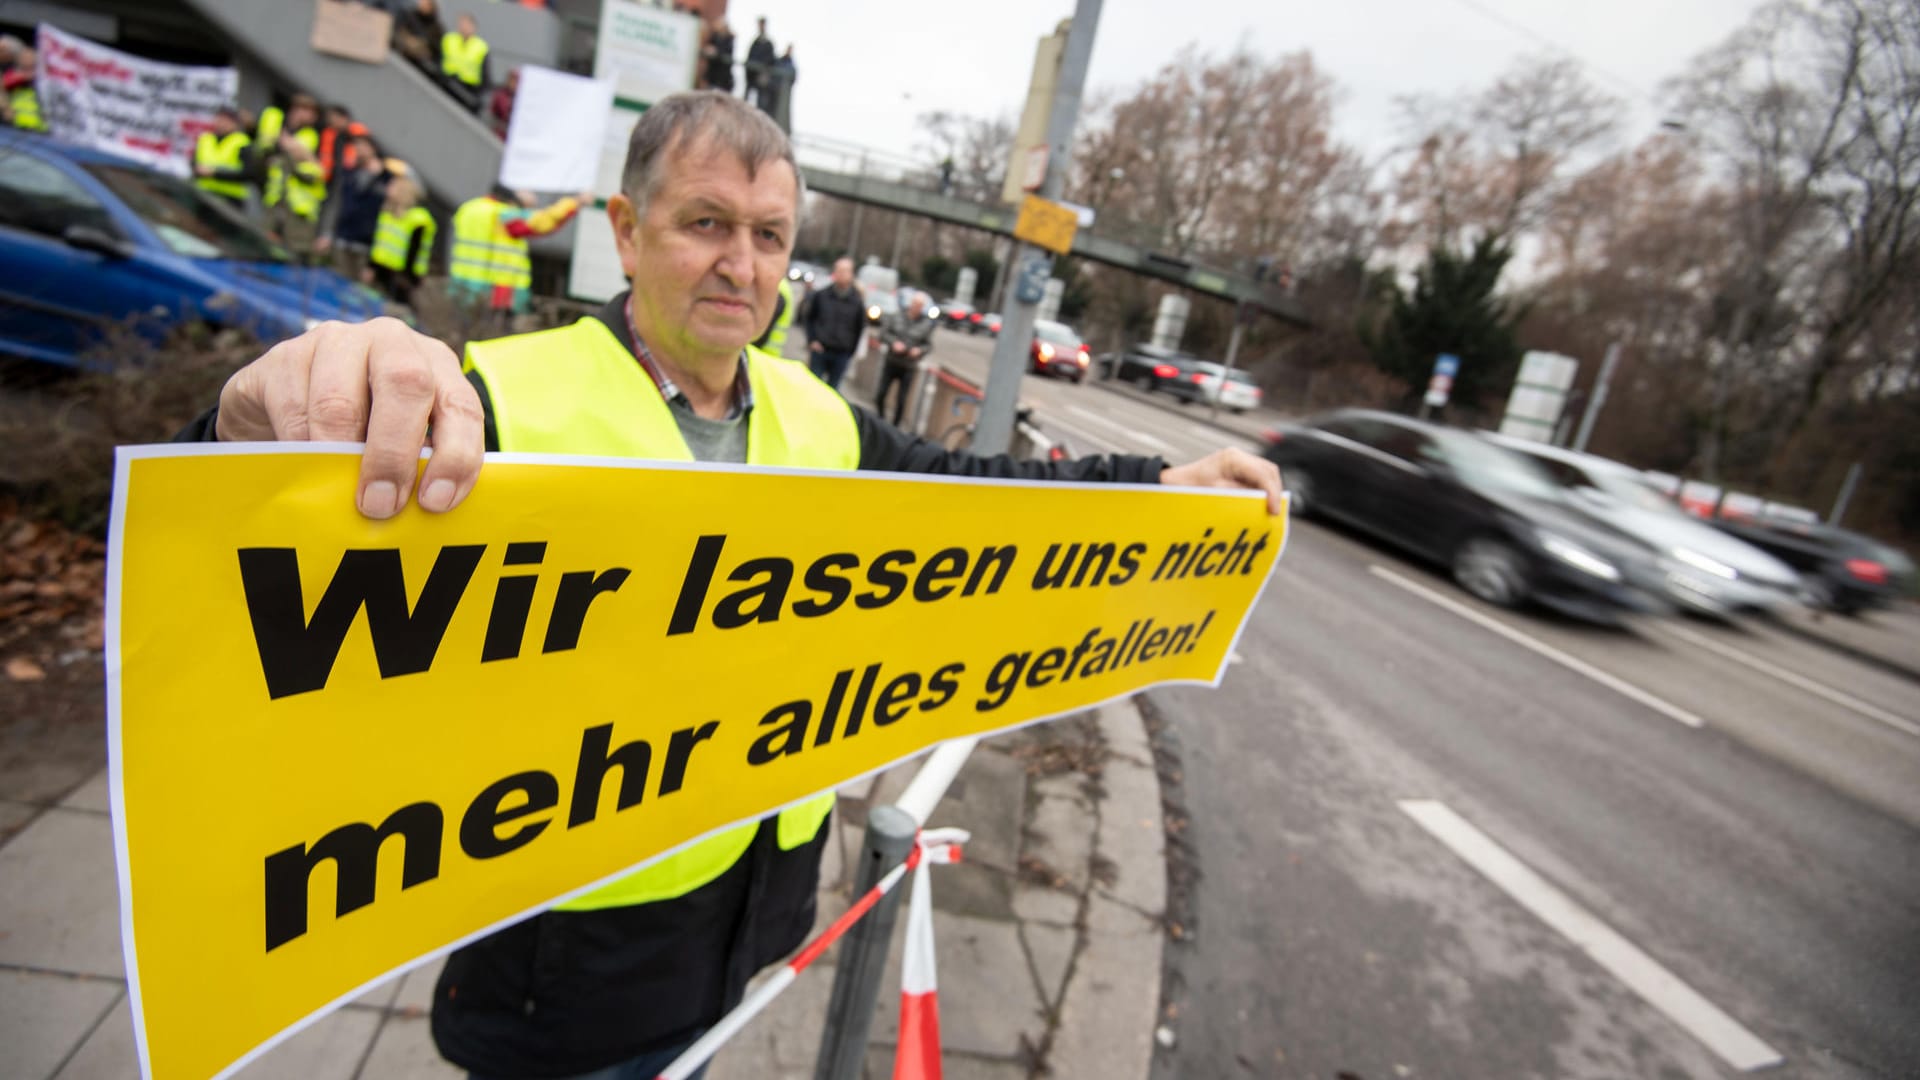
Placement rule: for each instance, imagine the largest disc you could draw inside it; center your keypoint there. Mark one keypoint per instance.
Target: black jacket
(833, 319)
(567, 992)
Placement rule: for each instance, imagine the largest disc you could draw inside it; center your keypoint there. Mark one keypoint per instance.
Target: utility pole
(1846, 495)
(1233, 350)
(1598, 399)
(993, 432)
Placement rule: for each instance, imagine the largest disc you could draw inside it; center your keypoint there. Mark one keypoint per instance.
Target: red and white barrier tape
(932, 845)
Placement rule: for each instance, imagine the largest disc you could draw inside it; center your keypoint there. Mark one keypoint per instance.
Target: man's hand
(899, 346)
(1230, 468)
(814, 346)
(377, 382)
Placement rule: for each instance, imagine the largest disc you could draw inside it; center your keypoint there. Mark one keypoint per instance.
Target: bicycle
(1027, 437)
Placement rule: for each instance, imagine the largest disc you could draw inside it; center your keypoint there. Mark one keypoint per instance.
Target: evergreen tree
(1453, 308)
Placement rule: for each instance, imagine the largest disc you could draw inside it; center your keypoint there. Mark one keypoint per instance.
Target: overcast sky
(867, 68)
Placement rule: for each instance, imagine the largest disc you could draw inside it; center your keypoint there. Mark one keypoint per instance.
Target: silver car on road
(1704, 569)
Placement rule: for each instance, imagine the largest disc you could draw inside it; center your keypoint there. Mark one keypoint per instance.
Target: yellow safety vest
(306, 189)
(776, 337)
(577, 390)
(463, 58)
(26, 108)
(218, 153)
(393, 235)
(484, 252)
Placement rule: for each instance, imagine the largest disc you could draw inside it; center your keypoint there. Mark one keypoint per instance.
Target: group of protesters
(769, 72)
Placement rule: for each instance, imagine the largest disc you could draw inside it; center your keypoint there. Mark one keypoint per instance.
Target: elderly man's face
(707, 258)
(843, 272)
(916, 306)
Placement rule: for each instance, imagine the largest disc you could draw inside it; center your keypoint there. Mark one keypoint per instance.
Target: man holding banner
(616, 981)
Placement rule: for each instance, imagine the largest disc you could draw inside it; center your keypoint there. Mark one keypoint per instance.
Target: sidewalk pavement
(1048, 935)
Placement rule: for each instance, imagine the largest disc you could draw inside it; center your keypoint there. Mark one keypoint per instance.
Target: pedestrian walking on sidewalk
(834, 318)
(906, 337)
(618, 981)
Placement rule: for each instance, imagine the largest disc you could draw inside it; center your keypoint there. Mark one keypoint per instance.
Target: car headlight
(1703, 563)
(1578, 557)
(873, 312)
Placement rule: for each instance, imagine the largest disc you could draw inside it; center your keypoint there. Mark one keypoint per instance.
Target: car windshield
(1056, 333)
(188, 222)
(1484, 465)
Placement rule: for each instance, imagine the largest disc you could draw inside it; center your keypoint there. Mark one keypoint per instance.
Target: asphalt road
(1727, 816)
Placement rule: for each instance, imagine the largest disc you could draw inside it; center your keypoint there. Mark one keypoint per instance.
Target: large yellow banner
(342, 746)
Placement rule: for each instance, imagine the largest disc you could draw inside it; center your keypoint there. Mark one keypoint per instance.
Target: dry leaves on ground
(52, 592)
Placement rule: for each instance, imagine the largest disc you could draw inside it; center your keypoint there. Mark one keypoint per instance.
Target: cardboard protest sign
(137, 108)
(341, 746)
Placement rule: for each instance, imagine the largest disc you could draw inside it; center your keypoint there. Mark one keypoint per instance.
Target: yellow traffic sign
(1047, 224)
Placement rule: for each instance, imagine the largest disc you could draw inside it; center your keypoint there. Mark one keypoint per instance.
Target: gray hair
(704, 116)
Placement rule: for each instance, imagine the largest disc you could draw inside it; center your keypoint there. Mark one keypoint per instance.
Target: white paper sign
(595, 274)
(141, 109)
(648, 52)
(556, 136)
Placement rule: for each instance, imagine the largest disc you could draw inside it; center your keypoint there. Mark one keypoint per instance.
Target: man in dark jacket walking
(905, 338)
(834, 318)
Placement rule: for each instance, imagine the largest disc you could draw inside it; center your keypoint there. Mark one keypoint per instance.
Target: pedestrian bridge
(873, 179)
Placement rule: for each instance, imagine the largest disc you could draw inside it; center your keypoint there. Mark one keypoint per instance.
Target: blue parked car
(90, 241)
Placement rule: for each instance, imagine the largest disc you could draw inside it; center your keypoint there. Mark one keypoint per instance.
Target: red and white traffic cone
(917, 1055)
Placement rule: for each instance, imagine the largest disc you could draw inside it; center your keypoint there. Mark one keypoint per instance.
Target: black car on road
(1492, 516)
(1147, 366)
(1840, 570)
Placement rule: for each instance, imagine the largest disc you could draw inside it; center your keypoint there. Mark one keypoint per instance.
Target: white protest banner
(559, 123)
(141, 109)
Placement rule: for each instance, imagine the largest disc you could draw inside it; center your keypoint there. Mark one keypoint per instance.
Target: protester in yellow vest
(402, 241)
(463, 61)
(488, 265)
(219, 160)
(775, 339)
(22, 104)
(296, 184)
(626, 976)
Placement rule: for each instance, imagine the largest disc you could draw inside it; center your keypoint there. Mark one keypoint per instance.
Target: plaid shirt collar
(742, 386)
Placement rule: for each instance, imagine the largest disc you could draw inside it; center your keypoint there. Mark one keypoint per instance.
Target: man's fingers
(337, 398)
(1256, 472)
(404, 387)
(281, 389)
(1231, 468)
(459, 434)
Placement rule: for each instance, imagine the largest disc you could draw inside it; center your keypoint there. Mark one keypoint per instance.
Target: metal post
(853, 241)
(1233, 350)
(863, 952)
(993, 432)
(899, 233)
(1599, 397)
(1846, 494)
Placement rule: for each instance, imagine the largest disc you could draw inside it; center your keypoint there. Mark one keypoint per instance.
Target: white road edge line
(1528, 641)
(1698, 1017)
(1820, 690)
